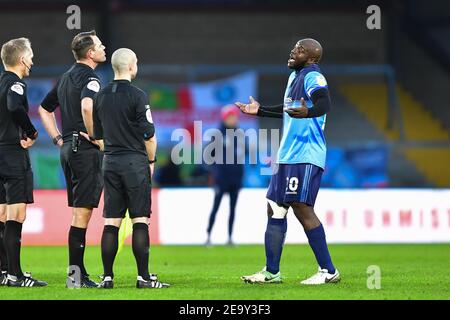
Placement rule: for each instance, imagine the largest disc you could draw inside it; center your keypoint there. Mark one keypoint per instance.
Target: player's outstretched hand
(249, 108)
(298, 112)
(26, 143)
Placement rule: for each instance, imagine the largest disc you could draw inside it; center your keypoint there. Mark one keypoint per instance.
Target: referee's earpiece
(29, 68)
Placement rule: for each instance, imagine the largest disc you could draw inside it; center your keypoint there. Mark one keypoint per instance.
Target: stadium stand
(418, 123)
(212, 37)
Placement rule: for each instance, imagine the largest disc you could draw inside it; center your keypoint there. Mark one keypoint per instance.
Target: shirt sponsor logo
(148, 114)
(17, 88)
(94, 86)
(321, 81)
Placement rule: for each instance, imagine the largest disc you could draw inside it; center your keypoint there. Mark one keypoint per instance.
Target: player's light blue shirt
(303, 140)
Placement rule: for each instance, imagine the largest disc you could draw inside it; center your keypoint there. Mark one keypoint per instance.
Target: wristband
(56, 139)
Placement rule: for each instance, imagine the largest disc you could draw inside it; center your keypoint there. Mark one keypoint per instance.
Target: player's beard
(298, 66)
(100, 59)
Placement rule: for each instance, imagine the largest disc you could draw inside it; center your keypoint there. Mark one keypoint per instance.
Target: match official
(122, 118)
(81, 156)
(17, 134)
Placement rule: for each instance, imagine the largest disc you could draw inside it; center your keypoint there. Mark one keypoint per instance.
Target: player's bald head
(312, 48)
(122, 59)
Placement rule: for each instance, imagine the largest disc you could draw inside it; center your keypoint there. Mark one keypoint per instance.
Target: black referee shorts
(82, 170)
(127, 186)
(2, 192)
(16, 176)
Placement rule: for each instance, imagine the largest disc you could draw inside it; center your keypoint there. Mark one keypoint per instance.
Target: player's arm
(86, 112)
(316, 88)
(254, 108)
(146, 128)
(151, 145)
(87, 102)
(16, 106)
(98, 126)
(271, 111)
(144, 117)
(47, 113)
(321, 105)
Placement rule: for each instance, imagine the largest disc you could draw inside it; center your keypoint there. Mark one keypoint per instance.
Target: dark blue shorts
(295, 183)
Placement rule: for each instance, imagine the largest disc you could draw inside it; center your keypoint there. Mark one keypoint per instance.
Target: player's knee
(82, 212)
(17, 212)
(278, 211)
(140, 220)
(116, 222)
(302, 209)
(17, 218)
(2, 212)
(81, 217)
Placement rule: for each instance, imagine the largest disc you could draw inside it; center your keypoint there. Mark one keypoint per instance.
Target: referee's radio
(75, 141)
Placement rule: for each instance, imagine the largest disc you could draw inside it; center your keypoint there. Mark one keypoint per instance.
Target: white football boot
(263, 276)
(322, 277)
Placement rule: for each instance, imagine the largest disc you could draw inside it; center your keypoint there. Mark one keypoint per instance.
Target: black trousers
(233, 191)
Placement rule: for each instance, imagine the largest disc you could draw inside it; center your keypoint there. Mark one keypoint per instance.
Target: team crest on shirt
(94, 86)
(321, 81)
(148, 114)
(17, 88)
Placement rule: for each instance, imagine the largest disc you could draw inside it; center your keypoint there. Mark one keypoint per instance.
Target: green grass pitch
(197, 272)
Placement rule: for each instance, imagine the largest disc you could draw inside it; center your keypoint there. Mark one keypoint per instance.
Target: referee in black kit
(81, 156)
(122, 118)
(17, 134)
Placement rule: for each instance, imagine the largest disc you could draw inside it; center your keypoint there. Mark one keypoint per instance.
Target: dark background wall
(202, 35)
(412, 43)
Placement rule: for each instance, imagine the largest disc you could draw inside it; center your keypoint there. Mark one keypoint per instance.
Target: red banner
(49, 217)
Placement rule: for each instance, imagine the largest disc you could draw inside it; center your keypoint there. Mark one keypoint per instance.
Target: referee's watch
(152, 161)
(56, 139)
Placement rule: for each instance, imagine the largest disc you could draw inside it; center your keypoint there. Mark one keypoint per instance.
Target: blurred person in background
(227, 177)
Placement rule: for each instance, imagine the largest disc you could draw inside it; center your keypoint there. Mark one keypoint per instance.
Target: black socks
(110, 244)
(12, 240)
(77, 243)
(3, 256)
(141, 247)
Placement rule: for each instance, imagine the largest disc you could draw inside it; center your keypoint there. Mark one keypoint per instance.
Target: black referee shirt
(122, 118)
(14, 121)
(79, 82)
